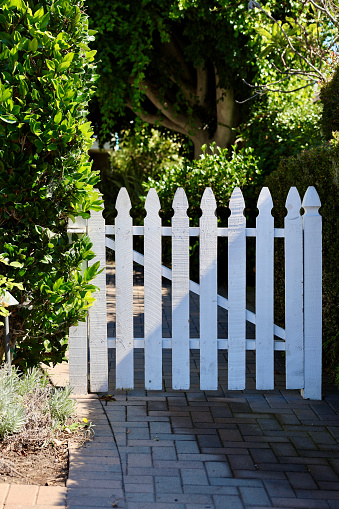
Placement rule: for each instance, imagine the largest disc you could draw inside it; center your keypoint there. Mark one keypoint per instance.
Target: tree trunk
(227, 115)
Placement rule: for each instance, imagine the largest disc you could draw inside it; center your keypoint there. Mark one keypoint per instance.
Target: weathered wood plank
(97, 314)
(180, 292)
(294, 292)
(153, 296)
(208, 293)
(237, 292)
(312, 226)
(124, 292)
(264, 293)
(78, 358)
(78, 335)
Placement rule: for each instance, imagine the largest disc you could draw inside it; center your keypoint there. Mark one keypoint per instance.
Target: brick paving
(202, 449)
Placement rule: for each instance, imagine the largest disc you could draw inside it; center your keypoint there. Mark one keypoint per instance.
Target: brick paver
(17, 496)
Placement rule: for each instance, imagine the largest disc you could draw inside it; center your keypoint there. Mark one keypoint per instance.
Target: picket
(208, 293)
(152, 295)
(124, 292)
(78, 358)
(97, 315)
(77, 336)
(264, 292)
(180, 292)
(294, 291)
(236, 292)
(312, 295)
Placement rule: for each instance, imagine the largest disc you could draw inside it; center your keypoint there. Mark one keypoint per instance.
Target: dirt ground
(44, 465)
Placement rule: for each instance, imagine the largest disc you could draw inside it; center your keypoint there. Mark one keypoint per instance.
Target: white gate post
(312, 225)
(78, 335)
(97, 313)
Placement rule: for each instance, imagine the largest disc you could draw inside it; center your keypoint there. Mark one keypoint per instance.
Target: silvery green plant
(12, 412)
(30, 407)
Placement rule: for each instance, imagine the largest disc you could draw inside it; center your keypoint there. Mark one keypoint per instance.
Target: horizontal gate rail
(194, 231)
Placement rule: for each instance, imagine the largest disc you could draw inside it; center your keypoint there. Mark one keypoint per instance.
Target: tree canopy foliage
(182, 64)
(179, 65)
(305, 44)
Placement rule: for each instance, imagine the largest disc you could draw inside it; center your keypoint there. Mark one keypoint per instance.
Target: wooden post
(180, 292)
(294, 292)
(237, 292)
(97, 313)
(78, 335)
(124, 292)
(312, 295)
(153, 295)
(208, 293)
(264, 293)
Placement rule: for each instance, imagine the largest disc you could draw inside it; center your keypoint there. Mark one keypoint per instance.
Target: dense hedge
(47, 78)
(316, 167)
(329, 96)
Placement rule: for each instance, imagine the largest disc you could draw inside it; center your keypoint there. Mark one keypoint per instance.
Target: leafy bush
(30, 406)
(282, 125)
(317, 167)
(329, 95)
(47, 77)
(146, 154)
(215, 169)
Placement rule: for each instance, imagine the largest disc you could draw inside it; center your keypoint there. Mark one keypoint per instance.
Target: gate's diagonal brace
(195, 288)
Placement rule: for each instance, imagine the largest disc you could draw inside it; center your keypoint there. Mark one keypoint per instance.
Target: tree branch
(153, 119)
(253, 4)
(165, 108)
(324, 9)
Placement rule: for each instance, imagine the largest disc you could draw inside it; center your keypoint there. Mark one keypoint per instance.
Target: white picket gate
(301, 339)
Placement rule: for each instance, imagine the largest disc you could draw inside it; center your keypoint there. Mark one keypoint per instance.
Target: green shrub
(216, 170)
(143, 155)
(316, 167)
(47, 77)
(282, 125)
(329, 95)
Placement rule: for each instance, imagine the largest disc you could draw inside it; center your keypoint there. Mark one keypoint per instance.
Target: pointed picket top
(152, 203)
(311, 202)
(123, 202)
(180, 202)
(293, 203)
(265, 203)
(208, 203)
(237, 202)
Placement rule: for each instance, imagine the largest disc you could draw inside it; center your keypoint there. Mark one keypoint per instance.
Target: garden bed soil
(43, 465)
